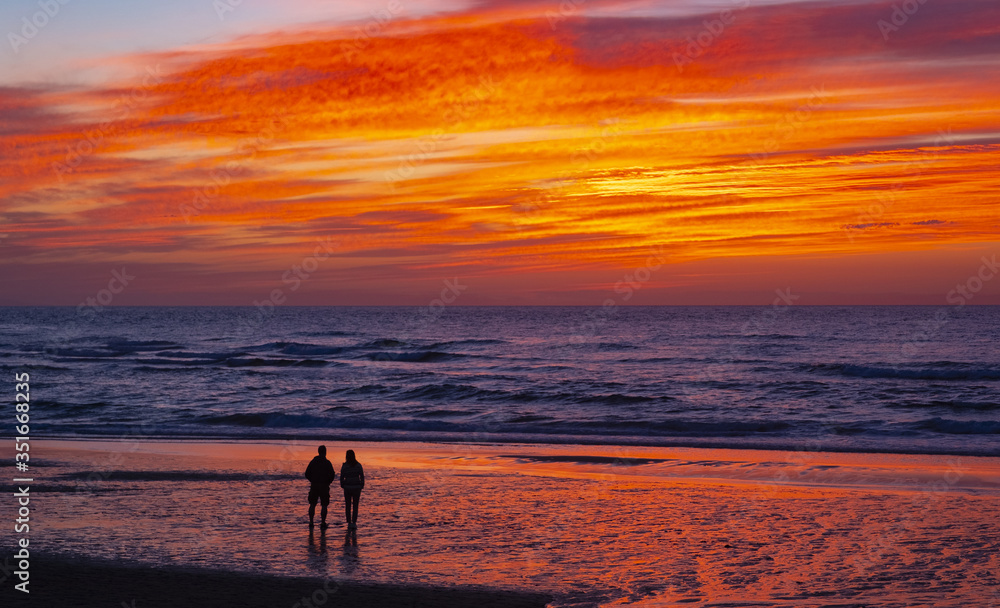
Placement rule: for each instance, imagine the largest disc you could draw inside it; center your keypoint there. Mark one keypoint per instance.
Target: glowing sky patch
(537, 156)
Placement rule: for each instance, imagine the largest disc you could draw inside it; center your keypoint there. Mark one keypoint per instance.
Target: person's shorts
(319, 495)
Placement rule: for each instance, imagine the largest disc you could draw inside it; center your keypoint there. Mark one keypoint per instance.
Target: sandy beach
(514, 525)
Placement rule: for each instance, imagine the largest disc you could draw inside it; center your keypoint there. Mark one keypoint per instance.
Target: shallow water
(593, 525)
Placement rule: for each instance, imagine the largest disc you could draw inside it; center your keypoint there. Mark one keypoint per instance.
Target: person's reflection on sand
(351, 558)
(317, 552)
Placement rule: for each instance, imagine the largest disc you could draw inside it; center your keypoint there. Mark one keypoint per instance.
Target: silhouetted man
(320, 474)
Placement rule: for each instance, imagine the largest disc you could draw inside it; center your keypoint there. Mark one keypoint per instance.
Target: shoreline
(745, 466)
(453, 439)
(95, 582)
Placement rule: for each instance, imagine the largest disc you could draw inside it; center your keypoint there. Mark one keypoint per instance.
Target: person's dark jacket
(320, 472)
(352, 476)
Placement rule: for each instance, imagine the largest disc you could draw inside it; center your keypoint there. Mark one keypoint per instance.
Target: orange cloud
(503, 145)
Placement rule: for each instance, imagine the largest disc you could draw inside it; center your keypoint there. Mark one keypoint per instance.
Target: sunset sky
(707, 152)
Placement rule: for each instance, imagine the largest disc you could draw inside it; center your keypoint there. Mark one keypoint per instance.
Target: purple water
(896, 379)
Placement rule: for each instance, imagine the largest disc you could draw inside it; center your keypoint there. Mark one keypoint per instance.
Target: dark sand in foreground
(81, 582)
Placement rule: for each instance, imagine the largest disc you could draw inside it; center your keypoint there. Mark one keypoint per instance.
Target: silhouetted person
(352, 479)
(320, 474)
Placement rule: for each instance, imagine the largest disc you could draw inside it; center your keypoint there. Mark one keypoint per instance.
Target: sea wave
(384, 343)
(268, 419)
(312, 349)
(961, 427)
(956, 405)
(236, 361)
(945, 370)
(420, 356)
(663, 376)
(470, 393)
(464, 342)
(476, 422)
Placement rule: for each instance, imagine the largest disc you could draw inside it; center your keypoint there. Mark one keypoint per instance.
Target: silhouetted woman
(352, 479)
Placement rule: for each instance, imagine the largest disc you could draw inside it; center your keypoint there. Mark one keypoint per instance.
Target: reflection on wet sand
(593, 525)
(316, 554)
(351, 557)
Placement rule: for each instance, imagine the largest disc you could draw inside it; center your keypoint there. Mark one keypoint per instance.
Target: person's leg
(325, 501)
(347, 505)
(312, 506)
(355, 499)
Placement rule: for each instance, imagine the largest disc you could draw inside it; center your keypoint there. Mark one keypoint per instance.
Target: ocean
(908, 379)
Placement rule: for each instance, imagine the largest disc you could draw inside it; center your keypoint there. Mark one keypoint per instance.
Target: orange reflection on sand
(593, 524)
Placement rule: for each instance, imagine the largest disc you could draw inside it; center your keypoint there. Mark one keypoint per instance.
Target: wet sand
(588, 525)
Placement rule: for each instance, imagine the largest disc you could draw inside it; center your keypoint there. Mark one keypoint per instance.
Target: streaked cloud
(491, 140)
